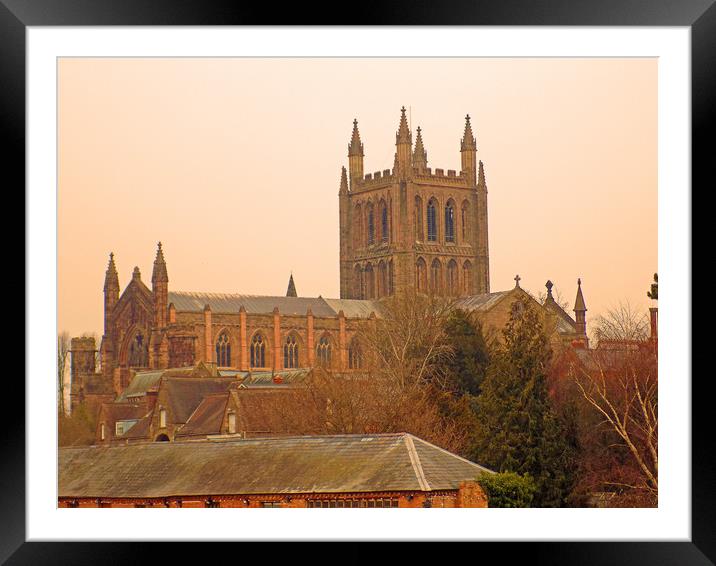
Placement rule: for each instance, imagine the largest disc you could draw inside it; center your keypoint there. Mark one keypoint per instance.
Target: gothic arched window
(138, 351)
(464, 221)
(435, 276)
(258, 351)
(290, 352)
(450, 221)
(369, 286)
(432, 222)
(467, 278)
(355, 355)
(358, 289)
(384, 222)
(358, 228)
(223, 350)
(391, 283)
(382, 279)
(371, 224)
(421, 276)
(418, 219)
(323, 351)
(452, 278)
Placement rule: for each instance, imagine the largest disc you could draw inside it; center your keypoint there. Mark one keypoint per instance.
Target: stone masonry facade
(412, 226)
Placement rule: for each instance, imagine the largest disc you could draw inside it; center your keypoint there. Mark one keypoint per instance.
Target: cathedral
(405, 228)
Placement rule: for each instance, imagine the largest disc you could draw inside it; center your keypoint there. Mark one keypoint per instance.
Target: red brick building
(198, 402)
(382, 470)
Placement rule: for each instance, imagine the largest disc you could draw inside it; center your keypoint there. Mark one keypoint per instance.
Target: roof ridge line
(415, 461)
(455, 455)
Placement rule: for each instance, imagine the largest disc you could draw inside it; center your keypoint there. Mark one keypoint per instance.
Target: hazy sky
(234, 164)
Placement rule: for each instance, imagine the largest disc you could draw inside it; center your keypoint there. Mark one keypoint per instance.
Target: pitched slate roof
(482, 302)
(140, 384)
(309, 464)
(184, 394)
(354, 308)
(559, 311)
(207, 417)
(259, 304)
(110, 413)
(254, 304)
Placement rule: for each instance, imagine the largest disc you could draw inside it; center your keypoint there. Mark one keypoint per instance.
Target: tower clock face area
(412, 226)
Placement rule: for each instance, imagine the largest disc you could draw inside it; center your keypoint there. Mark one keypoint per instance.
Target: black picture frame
(699, 15)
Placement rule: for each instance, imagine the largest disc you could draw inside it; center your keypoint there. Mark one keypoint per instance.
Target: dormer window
(122, 427)
(162, 418)
(232, 422)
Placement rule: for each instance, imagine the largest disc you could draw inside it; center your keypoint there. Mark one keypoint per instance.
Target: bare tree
(63, 350)
(399, 388)
(407, 343)
(622, 387)
(621, 323)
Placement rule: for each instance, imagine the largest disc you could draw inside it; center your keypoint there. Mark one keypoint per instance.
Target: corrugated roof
(312, 464)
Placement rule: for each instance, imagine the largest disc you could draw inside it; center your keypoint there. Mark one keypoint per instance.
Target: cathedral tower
(411, 226)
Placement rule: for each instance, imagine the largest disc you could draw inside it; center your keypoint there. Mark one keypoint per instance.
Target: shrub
(508, 489)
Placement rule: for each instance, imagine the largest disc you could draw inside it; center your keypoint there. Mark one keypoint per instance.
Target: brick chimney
(653, 323)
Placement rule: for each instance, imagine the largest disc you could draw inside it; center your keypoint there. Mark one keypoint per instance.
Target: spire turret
(111, 293)
(404, 146)
(579, 304)
(468, 140)
(160, 289)
(344, 182)
(111, 278)
(580, 310)
(468, 152)
(403, 135)
(355, 156)
(159, 274)
(420, 156)
(481, 175)
(356, 146)
(291, 291)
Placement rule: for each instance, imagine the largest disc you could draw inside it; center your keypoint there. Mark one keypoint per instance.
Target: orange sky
(234, 165)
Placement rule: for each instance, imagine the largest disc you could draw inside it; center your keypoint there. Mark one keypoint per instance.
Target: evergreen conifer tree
(467, 366)
(518, 430)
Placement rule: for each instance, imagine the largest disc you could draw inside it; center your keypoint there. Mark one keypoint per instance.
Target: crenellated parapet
(439, 178)
(372, 181)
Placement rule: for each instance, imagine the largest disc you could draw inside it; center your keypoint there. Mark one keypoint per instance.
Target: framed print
(462, 318)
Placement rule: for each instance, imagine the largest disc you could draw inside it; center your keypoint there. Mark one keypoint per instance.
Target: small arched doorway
(162, 438)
